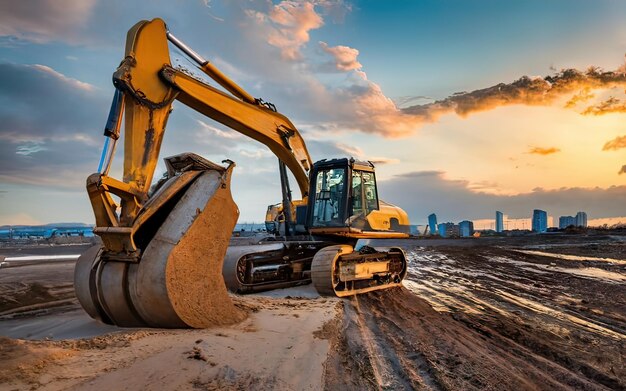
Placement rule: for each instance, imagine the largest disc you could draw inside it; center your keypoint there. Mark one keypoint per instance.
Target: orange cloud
(533, 91)
(582, 96)
(615, 144)
(345, 56)
(611, 105)
(543, 151)
(290, 24)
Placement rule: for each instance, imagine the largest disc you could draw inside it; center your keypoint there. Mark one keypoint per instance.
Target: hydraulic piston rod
(112, 132)
(212, 71)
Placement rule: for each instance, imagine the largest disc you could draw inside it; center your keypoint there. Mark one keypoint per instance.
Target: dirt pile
(25, 362)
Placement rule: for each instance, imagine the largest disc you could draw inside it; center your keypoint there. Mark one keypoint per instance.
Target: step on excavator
(165, 259)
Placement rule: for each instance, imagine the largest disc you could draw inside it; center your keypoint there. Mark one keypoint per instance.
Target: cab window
(364, 194)
(329, 193)
(369, 191)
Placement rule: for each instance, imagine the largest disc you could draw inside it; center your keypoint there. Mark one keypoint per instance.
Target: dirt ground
(542, 312)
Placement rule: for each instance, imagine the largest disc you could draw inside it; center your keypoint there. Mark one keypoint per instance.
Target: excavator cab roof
(344, 162)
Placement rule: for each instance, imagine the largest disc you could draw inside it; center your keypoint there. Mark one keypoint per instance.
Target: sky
(466, 107)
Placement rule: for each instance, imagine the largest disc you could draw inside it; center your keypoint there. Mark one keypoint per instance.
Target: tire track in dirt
(394, 372)
(422, 349)
(575, 321)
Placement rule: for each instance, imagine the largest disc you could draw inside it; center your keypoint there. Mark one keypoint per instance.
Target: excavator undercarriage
(335, 270)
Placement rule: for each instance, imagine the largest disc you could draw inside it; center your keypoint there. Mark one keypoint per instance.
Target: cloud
(582, 96)
(622, 170)
(611, 105)
(42, 21)
(49, 163)
(345, 57)
(356, 103)
(49, 72)
(257, 153)
(424, 192)
(50, 126)
(38, 102)
(405, 100)
(532, 91)
(288, 24)
(330, 150)
(335, 9)
(383, 160)
(229, 134)
(543, 151)
(359, 104)
(350, 150)
(359, 154)
(618, 142)
(364, 107)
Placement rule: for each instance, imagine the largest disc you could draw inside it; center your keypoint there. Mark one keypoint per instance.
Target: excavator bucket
(174, 277)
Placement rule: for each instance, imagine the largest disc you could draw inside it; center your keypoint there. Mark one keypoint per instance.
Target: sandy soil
(474, 314)
(280, 346)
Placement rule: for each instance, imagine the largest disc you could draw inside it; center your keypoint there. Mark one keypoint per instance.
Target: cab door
(363, 197)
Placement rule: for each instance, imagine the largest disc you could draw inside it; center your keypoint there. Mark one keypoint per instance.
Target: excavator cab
(343, 192)
(344, 201)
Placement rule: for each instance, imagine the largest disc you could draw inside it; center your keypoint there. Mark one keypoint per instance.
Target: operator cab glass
(343, 193)
(328, 208)
(364, 194)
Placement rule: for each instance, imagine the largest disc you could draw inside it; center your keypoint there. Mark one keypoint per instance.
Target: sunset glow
(525, 112)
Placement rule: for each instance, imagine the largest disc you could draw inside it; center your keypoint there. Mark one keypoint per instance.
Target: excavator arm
(250, 119)
(146, 85)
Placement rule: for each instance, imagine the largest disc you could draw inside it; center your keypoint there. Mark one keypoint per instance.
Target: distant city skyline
(508, 223)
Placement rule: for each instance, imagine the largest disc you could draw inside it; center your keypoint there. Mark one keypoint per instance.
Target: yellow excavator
(165, 259)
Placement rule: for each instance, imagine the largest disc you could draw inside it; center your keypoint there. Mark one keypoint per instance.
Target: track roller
(339, 271)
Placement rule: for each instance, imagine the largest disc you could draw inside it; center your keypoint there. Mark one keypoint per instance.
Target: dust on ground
(515, 313)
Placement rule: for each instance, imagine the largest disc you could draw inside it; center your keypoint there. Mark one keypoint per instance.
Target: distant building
(415, 230)
(566, 221)
(540, 220)
(581, 219)
(499, 222)
(448, 230)
(466, 229)
(432, 223)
